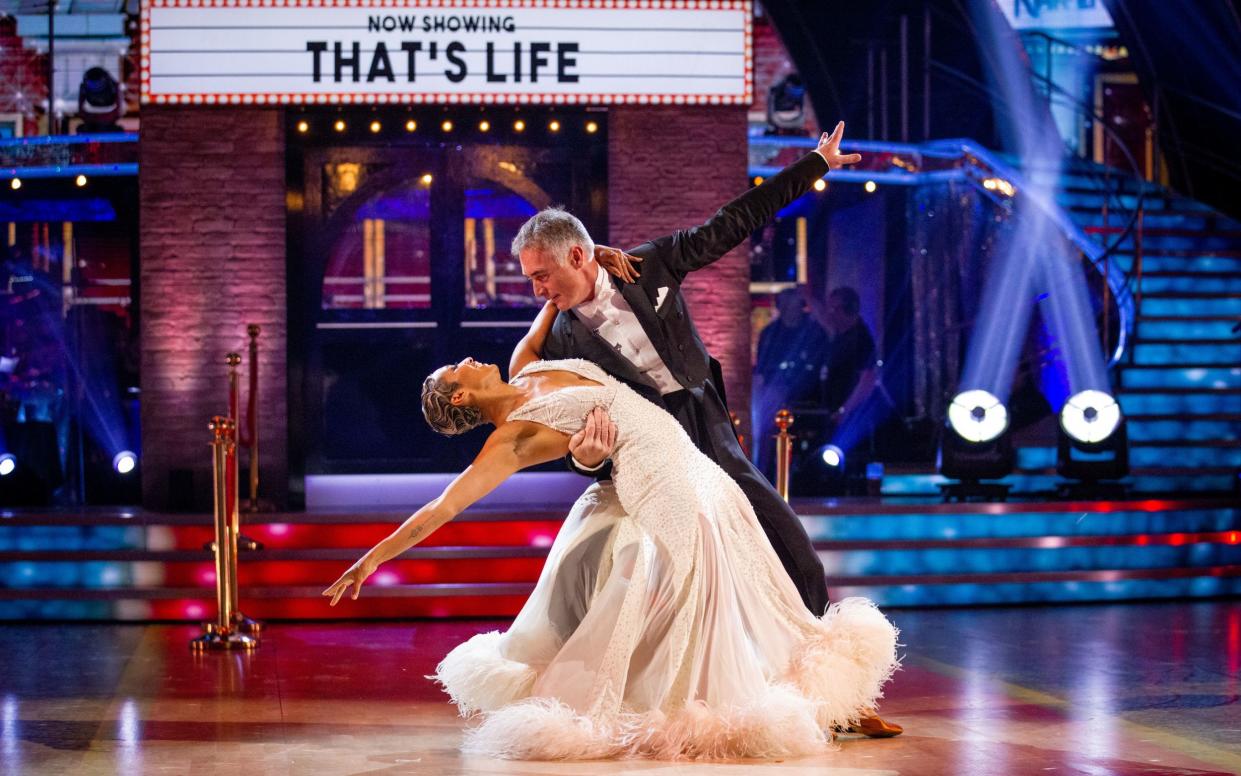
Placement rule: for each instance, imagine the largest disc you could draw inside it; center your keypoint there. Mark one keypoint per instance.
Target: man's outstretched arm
(691, 249)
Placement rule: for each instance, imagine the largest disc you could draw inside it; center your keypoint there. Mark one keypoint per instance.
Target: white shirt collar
(603, 292)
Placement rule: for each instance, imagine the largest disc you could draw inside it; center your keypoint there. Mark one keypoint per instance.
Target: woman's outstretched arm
(530, 348)
(510, 448)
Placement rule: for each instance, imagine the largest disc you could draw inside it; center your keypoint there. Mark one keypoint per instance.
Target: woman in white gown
(663, 624)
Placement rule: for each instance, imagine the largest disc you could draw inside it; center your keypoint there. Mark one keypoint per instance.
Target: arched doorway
(399, 263)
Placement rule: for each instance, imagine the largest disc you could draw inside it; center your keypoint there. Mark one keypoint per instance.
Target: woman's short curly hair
(442, 415)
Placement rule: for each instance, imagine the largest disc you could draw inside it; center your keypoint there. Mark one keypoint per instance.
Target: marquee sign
(323, 52)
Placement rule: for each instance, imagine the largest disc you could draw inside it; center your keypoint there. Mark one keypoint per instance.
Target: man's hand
(829, 149)
(593, 444)
(618, 264)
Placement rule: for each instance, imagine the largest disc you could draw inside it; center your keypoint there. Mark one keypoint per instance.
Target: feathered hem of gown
(831, 677)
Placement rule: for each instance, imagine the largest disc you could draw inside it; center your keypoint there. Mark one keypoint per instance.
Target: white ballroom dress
(663, 624)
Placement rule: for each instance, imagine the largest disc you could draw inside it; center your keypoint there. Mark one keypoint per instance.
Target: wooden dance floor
(1109, 689)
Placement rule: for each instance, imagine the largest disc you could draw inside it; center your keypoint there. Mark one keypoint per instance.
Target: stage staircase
(135, 565)
(1179, 381)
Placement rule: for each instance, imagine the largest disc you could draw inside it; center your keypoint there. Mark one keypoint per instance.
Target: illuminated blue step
(1087, 204)
(96, 575)
(1139, 376)
(1036, 458)
(934, 525)
(1093, 180)
(72, 537)
(928, 484)
(1158, 218)
(57, 610)
(67, 574)
(1087, 200)
(1149, 455)
(1141, 457)
(1206, 242)
(1159, 430)
(1171, 263)
(1205, 586)
(1227, 283)
(1156, 306)
(1185, 330)
(1179, 403)
(1222, 353)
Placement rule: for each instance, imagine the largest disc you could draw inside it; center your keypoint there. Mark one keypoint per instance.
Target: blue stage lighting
(8, 462)
(124, 462)
(1090, 416)
(833, 456)
(977, 416)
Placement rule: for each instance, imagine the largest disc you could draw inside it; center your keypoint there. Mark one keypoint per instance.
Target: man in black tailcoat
(642, 334)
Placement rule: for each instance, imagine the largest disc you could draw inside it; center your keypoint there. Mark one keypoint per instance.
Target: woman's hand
(354, 577)
(618, 263)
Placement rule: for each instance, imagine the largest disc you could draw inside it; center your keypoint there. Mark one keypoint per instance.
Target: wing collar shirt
(611, 318)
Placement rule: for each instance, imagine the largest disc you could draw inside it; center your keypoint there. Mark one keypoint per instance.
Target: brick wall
(212, 230)
(673, 167)
(23, 74)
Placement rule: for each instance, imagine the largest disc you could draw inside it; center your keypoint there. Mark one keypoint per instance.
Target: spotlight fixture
(124, 462)
(786, 105)
(820, 185)
(870, 187)
(519, 126)
(832, 456)
(8, 463)
(339, 126)
(758, 180)
(484, 125)
(977, 416)
(303, 127)
(375, 127)
(591, 127)
(15, 184)
(969, 462)
(1093, 445)
(1090, 416)
(80, 181)
(411, 125)
(976, 445)
(426, 179)
(446, 126)
(554, 125)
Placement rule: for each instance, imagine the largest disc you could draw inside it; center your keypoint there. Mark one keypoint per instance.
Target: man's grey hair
(555, 231)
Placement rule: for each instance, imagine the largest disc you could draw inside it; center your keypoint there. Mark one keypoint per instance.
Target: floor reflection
(1118, 689)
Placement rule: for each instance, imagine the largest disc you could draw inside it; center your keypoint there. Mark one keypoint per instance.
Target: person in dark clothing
(851, 358)
(791, 356)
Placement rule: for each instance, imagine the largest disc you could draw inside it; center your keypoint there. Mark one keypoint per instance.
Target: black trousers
(702, 414)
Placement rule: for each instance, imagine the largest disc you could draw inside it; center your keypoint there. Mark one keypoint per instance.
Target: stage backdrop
(207, 52)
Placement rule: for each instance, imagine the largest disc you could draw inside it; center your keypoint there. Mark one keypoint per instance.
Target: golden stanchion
(784, 452)
(252, 416)
(223, 634)
(240, 621)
